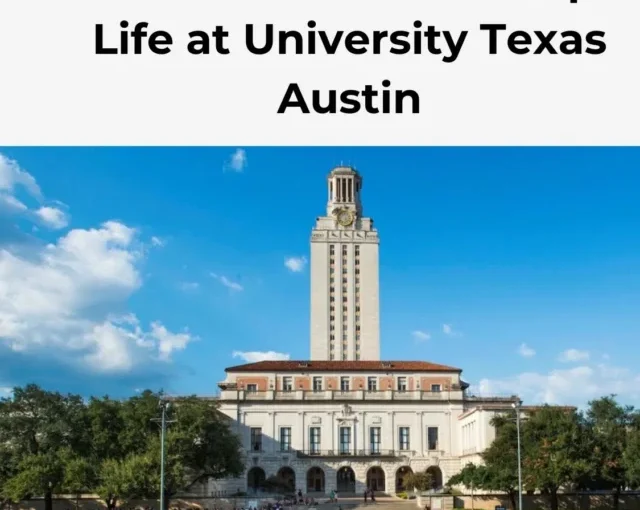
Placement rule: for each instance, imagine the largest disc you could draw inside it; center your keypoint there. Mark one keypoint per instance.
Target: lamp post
(517, 405)
(164, 406)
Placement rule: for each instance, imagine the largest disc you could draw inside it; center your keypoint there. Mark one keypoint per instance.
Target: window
(374, 440)
(332, 356)
(287, 384)
(372, 384)
(332, 289)
(435, 388)
(432, 438)
(344, 271)
(344, 358)
(317, 384)
(357, 271)
(345, 440)
(332, 280)
(252, 388)
(357, 262)
(357, 356)
(357, 248)
(332, 249)
(402, 384)
(256, 439)
(332, 308)
(403, 437)
(344, 382)
(314, 440)
(285, 439)
(332, 337)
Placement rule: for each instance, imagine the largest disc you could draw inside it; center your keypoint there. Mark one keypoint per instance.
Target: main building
(345, 420)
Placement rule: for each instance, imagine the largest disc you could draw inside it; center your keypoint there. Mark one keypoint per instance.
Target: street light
(517, 406)
(164, 405)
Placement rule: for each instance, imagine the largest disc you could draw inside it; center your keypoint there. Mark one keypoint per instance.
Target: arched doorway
(288, 477)
(315, 480)
(346, 480)
(255, 479)
(375, 479)
(436, 476)
(401, 478)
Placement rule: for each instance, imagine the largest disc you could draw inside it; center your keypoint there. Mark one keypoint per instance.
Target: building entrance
(346, 480)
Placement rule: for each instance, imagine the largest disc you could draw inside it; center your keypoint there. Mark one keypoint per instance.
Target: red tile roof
(342, 366)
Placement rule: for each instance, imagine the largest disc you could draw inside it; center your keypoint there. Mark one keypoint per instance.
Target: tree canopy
(561, 449)
(53, 443)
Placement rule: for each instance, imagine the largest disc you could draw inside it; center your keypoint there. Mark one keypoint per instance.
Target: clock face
(345, 218)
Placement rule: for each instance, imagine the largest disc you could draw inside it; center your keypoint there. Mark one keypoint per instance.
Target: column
(300, 436)
(421, 432)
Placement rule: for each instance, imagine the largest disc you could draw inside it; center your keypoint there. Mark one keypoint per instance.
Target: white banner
(569, 76)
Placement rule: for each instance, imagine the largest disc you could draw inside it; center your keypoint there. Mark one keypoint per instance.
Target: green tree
(501, 459)
(40, 428)
(631, 455)
(126, 479)
(79, 476)
(199, 445)
(107, 428)
(420, 481)
(555, 454)
(606, 430)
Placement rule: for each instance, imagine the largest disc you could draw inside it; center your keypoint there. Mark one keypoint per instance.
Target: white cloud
(189, 286)
(11, 204)
(573, 355)
(158, 242)
(254, 356)
(526, 351)
(14, 179)
(237, 162)
(235, 286)
(57, 300)
(295, 264)
(448, 330)
(5, 392)
(52, 217)
(420, 336)
(571, 386)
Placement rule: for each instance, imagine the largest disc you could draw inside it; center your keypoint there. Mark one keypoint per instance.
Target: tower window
(332, 249)
(344, 270)
(332, 289)
(357, 271)
(332, 337)
(332, 308)
(357, 261)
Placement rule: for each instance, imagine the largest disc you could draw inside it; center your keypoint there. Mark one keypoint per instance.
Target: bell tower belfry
(345, 306)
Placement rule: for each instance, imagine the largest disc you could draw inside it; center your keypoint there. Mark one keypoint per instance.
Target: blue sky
(520, 266)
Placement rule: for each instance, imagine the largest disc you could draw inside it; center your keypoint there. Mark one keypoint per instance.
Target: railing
(338, 395)
(353, 452)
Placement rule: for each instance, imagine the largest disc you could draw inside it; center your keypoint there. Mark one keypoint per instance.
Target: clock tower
(345, 306)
